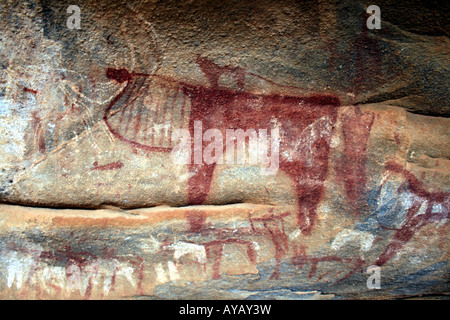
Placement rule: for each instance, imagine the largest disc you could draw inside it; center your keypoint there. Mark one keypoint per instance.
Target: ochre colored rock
(124, 175)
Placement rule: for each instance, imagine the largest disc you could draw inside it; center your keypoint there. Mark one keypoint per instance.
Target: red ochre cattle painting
(150, 107)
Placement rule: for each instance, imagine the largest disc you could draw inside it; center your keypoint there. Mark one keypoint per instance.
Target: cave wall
(99, 201)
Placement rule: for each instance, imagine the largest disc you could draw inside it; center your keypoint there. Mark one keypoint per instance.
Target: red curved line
(121, 137)
(314, 99)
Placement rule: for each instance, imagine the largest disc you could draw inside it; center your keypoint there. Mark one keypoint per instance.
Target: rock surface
(99, 201)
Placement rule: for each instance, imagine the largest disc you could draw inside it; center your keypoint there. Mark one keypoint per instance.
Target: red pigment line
(278, 236)
(272, 216)
(42, 147)
(207, 101)
(117, 134)
(172, 113)
(413, 222)
(85, 258)
(157, 105)
(66, 254)
(403, 235)
(137, 126)
(217, 261)
(110, 166)
(39, 133)
(278, 239)
(163, 116)
(358, 266)
(148, 112)
(200, 183)
(315, 261)
(356, 132)
(183, 105)
(211, 70)
(129, 106)
(88, 293)
(300, 259)
(250, 219)
(159, 112)
(415, 184)
(138, 264)
(196, 220)
(216, 246)
(159, 115)
(325, 99)
(274, 83)
(251, 252)
(397, 139)
(25, 89)
(132, 104)
(130, 88)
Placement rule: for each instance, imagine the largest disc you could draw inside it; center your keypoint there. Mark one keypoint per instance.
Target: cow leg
(309, 198)
(199, 182)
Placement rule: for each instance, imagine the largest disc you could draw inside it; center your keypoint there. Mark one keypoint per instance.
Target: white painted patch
(256, 246)
(18, 268)
(295, 234)
(437, 208)
(53, 276)
(423, 207)
(173, 272)
(191, 249)
(88, 277)
(335, 141)
(73, 273)
(14, 119)
(127, 271)
(106, 270)
(160, 273)
(365, 239)
(150, 245)
(24, 269)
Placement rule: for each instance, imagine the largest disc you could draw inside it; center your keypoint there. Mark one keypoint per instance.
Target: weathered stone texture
(95, 206)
